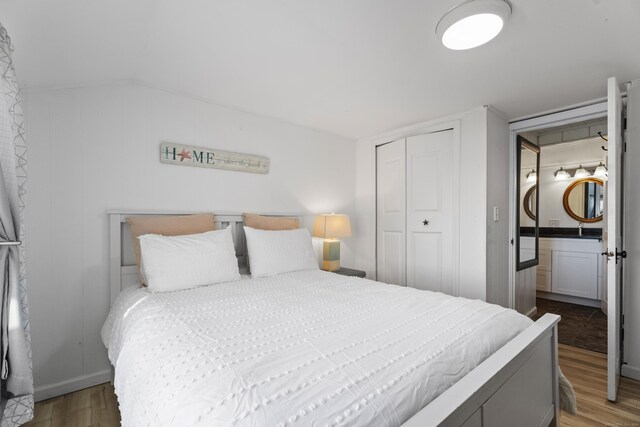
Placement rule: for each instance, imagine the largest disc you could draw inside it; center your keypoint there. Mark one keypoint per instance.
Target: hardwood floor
(587, 371)
(94, 406)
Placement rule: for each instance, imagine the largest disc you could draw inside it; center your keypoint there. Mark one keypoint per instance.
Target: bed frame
(517, 385)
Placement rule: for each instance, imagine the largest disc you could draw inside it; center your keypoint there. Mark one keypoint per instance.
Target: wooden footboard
(517, 385)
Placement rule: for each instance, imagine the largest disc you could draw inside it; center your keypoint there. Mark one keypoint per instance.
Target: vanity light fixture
(601, 171)
(532, 176)
(562, 174)
(472, 23)
(581, 172)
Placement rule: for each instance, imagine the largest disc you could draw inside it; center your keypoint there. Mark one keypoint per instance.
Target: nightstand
(350, 272)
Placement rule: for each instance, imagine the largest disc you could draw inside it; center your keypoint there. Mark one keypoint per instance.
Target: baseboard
(532, 312)
(78, 383)
(570, 299)
(630, 372)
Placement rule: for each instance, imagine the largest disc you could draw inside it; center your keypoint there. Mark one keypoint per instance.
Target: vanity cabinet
(569, 267)
(575, 274)
(543, 273)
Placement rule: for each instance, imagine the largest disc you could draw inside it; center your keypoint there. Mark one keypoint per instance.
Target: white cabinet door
(430, 215)
(575, 273)
(391, 213)
(543, 272)
(543, 280)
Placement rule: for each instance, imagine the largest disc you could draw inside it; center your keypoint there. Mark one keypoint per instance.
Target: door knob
(617, 254)
(425, 222)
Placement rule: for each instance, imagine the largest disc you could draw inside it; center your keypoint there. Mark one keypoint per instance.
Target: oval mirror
(584, 200)
(529, 202)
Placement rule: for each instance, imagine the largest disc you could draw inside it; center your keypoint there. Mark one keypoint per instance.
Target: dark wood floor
(587, 371)
(580, 326)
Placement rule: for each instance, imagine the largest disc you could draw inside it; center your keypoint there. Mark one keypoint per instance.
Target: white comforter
(305, 348)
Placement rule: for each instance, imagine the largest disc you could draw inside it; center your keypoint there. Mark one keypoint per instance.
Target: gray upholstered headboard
(123, 272)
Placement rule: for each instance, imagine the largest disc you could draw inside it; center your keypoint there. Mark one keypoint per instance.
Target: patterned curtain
(16, 376)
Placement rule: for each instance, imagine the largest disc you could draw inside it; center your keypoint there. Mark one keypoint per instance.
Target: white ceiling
(350, 67)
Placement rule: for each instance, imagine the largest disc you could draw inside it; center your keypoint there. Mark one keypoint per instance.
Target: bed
(316, 348)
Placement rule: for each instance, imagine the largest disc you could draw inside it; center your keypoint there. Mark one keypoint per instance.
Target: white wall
(96, 149)
(631, 265)
(498, 231)
(568, 155)
(472, 198)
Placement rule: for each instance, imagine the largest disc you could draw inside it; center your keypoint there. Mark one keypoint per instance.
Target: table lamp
(330, 227)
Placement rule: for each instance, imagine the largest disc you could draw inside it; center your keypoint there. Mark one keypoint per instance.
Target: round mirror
(529, 202)
(584, 200)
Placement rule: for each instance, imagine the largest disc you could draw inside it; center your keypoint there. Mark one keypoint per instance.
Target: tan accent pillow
(261, 222)
(169, 225)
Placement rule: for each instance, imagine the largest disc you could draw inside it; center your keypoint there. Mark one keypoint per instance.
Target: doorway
(572, 212)
(561, 138)
(565, 193)
(524, 281)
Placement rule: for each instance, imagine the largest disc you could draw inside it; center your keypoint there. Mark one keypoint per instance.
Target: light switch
(496, 214)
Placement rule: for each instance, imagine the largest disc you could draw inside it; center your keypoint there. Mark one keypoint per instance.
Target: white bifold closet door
(391, 213)
(415, 196)
(430, 211)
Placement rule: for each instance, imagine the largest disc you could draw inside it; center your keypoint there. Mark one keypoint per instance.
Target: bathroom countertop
(563, 233)
(571, 236)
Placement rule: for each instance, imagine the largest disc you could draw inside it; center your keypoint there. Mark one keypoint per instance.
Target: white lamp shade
(562, 174)
(532, 176)
(332, 226)
(601, 171)
(581, 173)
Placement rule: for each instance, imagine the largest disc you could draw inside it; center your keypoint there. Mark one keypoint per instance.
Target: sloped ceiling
(350, 67)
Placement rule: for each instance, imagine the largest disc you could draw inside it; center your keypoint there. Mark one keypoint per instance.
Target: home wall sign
(185, 155)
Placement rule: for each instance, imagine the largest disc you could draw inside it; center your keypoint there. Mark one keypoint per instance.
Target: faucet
(580, 228)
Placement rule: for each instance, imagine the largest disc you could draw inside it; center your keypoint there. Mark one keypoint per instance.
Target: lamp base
(331, 255)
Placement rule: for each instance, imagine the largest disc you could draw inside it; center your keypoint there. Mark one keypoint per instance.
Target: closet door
(391, 213)
(430, 257)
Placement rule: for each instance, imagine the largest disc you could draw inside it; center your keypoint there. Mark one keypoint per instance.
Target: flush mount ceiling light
(472, 23)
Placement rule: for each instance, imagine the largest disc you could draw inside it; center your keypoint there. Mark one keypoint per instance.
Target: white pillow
(274, 252)
(172, 263)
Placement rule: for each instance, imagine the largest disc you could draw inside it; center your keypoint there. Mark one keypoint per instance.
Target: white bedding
(304, 348)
